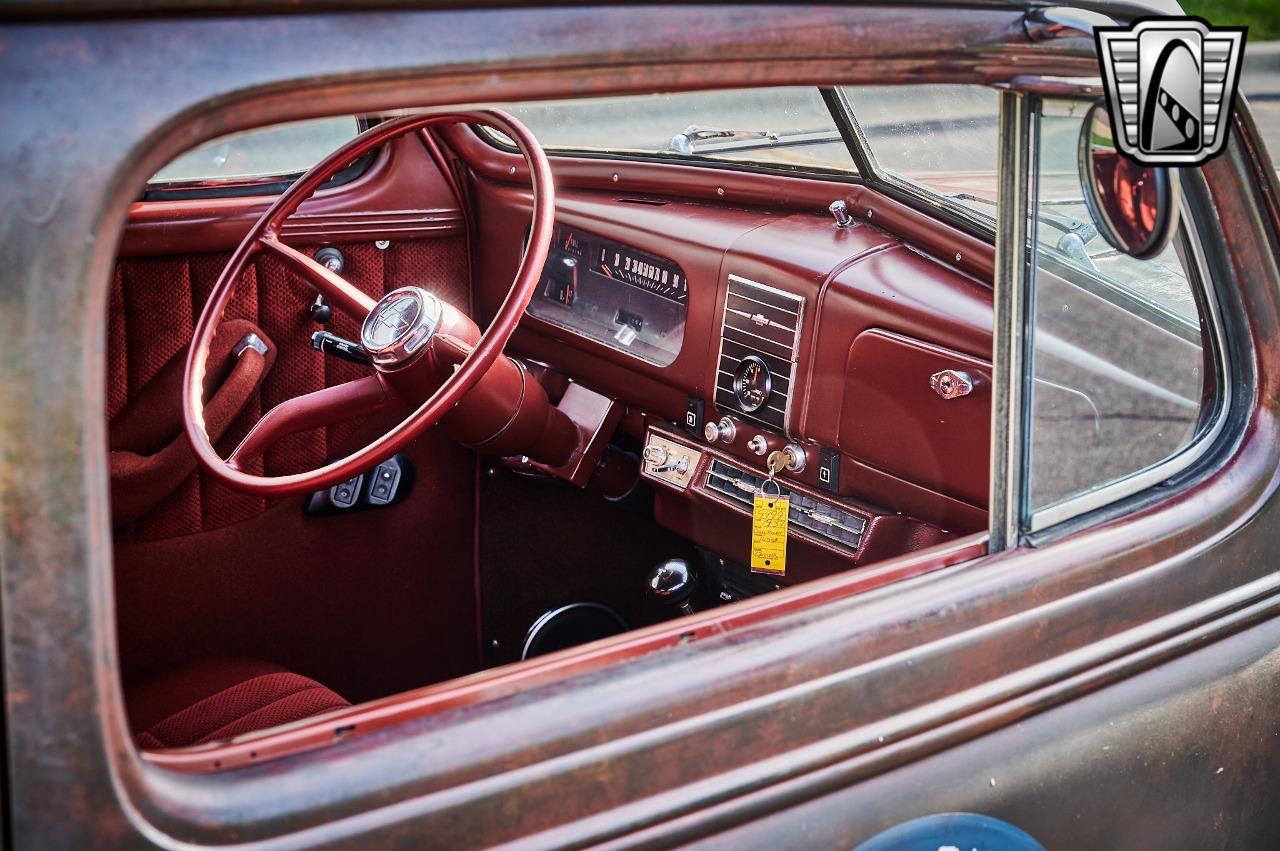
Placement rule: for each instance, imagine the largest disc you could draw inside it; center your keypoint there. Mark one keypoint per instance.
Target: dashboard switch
(695, 412)
(346, 494)
(669, 461)
(724, 430)
(758, 444)
(385, 482)
(829, 470)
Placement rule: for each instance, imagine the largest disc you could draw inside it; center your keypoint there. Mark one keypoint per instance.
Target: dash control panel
(669, 461)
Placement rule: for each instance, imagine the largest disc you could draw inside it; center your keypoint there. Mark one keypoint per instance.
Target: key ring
(770, 481)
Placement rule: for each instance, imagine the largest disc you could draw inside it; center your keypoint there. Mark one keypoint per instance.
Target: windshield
(939, 137)
(788, 127)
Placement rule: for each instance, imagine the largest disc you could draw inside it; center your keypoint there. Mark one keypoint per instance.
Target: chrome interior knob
(673, 582)
(758, 444)
(840, 211)
(951, 383)
(655, 454)
(723, 430)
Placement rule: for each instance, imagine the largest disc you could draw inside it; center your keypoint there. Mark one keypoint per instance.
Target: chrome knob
(951, 383)
(724, 430)
(656, 455)
(673, 582)
(758, 444)
(840, 211)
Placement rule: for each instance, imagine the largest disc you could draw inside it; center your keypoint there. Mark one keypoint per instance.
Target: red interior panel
(891, 417)
(154, 304)
(400, 196)
(368, 604)
(852, 280)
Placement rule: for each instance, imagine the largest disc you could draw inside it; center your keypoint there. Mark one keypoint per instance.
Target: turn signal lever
(339, 347)
(673, 582)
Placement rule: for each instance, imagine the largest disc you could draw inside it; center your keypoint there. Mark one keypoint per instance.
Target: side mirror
(1135, 206)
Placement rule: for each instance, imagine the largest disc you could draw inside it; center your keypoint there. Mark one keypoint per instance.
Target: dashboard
(627, 299)
(730, 333)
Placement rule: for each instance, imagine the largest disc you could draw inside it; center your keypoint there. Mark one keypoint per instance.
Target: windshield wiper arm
(1063, 223)
(683, 142)
(1075, 232)
(696, 139)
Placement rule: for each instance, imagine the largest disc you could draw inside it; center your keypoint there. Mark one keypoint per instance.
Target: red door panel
(370, 603)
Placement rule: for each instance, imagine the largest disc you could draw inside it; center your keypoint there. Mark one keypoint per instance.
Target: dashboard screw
(382, 244)
(615, 177)
(959, 256)
(719, 190)
(871, 214)
(511, 170)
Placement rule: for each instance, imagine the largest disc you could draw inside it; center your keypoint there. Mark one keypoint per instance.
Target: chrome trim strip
(1010, 305)
(758, 301)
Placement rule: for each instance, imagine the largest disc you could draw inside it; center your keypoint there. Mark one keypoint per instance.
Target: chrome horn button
(399, 327)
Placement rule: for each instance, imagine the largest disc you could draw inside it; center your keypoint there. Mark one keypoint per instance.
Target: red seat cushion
(218, 699)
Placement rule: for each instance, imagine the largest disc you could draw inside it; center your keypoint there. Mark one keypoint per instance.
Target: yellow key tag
(769, 531)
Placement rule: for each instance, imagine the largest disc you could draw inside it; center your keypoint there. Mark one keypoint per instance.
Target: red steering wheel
(421, 346)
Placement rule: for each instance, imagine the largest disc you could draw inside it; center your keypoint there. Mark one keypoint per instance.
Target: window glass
(941, 137)
(1118, 355)
(787, 127)
(267, 152)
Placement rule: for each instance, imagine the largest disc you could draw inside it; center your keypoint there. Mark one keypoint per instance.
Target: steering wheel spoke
(421, 395)
(342, 295)
(340, 403)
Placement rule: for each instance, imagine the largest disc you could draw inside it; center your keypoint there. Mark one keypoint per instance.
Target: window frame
(258, 185)
(1208, 430)
(673, 158)
(1012, 518)
(908, 191)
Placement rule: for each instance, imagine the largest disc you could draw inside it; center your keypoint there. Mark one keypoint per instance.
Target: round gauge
(752, 384)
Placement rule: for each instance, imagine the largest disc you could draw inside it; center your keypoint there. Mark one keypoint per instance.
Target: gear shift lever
(673, 582)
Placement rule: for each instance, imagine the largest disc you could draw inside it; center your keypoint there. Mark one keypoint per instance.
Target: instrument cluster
(625, 298)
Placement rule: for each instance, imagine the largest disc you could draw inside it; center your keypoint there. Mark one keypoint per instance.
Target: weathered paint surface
(830, 722)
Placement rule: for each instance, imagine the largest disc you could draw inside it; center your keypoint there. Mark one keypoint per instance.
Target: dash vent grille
(816, 517)
(762, 321)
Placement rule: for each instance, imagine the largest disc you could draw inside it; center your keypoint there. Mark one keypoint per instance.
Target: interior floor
(545, 544)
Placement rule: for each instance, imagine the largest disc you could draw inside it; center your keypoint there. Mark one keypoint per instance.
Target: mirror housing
(1135, 206)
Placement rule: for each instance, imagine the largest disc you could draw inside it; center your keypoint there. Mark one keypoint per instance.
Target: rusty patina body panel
(1115, 685)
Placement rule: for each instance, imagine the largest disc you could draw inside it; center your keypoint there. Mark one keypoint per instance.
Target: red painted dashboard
(880, 315)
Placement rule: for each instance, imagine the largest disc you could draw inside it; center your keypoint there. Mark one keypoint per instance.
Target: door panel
(351, 600)
(154, 304)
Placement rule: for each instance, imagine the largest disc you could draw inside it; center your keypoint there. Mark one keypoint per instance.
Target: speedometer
(647, 272)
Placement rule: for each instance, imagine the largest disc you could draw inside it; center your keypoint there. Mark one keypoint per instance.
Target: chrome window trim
(1139, 480)
(1010, 331)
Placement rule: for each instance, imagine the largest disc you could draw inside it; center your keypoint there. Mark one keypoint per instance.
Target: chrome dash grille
(765, 322)
(822, 519)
